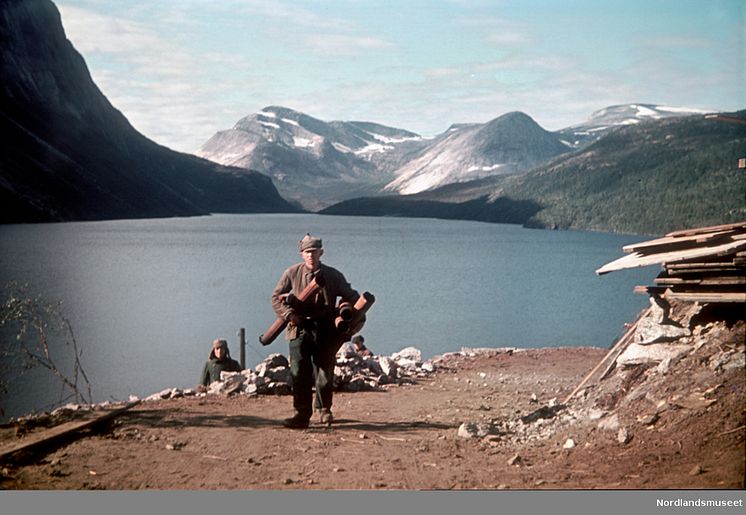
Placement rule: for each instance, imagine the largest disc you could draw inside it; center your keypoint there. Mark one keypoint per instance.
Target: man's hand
(294, 319)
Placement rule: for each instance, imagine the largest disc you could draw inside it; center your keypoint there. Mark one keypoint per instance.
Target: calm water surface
(146, 297)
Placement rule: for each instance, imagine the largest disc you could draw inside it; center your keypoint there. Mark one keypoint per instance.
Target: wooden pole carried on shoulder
(279, 324)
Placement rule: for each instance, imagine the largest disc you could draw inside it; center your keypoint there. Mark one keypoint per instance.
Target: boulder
(637, 354)
(428, 366)
(409, 354)
(388, 367)
(649, 331)
(659, 309)
(278, 374)
(276, 360)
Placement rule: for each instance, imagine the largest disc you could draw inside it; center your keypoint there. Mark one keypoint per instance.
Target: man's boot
(297, 421)
(326, 417)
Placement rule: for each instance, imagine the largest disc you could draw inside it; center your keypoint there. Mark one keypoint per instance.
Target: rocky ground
(668, 415)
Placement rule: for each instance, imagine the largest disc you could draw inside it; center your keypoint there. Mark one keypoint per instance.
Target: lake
(146, 297)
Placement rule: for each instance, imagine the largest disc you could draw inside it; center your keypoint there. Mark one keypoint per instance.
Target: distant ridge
(664, 175)
(604, 120)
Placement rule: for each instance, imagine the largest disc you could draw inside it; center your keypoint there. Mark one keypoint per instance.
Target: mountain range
(70, 155)
(650, 178)
(316, 163)
(312, 162)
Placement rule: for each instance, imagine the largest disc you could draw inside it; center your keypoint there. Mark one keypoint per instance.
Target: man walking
(310, 331)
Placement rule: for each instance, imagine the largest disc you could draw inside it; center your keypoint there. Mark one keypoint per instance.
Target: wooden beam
(650, 290)
(726, 227)
(619, 346)
(707, 265)
(673, 241)
(638, 260)
(708, 296)
(701, 281)
(65, 429)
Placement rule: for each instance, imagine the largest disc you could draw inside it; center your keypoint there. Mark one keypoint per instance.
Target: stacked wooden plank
(703, 265)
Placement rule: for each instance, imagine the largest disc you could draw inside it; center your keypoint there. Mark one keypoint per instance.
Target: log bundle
(699, 265)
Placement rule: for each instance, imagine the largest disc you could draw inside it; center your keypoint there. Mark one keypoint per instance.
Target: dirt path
(405, 438)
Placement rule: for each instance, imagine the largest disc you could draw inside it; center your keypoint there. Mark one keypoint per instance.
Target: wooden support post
(242, 346)
(618, 346)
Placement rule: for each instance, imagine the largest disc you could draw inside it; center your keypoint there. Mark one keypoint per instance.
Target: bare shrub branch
(32, 331)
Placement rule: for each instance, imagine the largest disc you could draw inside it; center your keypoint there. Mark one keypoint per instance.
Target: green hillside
(647, 179)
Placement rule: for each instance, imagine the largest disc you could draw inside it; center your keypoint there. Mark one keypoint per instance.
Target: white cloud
(290, 14)
(165, 90)
(498, 31)
(343, 45)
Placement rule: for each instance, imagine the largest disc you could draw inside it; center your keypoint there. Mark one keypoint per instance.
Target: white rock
(408, 354)
(659, 309)
(609, 424)
(569, 444)
(649, 331)
(407, 364)
(664, 366)
(637, 354)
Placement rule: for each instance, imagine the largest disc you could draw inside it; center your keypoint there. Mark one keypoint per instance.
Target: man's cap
(219, 342)
(309, 242)
(358, 339)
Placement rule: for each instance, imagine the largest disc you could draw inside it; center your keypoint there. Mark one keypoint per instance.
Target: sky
(182, 70)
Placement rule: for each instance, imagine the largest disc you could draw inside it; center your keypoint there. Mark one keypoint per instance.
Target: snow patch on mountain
(387, 140)
(342, 148)
(302, 142)
(608, 118)
(373, 148)
(485, 168)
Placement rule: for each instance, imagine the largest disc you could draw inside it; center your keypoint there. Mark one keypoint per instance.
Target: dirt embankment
(482, 419)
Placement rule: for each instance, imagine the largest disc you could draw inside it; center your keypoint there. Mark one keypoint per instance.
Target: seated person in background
(357, 346)
(358, 343)
(219, 361)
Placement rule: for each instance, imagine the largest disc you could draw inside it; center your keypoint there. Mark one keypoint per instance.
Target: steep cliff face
(70, 155)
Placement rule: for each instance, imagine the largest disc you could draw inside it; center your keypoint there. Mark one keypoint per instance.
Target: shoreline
(174, 392)
(483, 419)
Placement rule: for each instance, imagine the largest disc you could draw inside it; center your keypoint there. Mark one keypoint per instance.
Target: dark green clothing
(312, 360)
(213, 367)
(313, 344)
